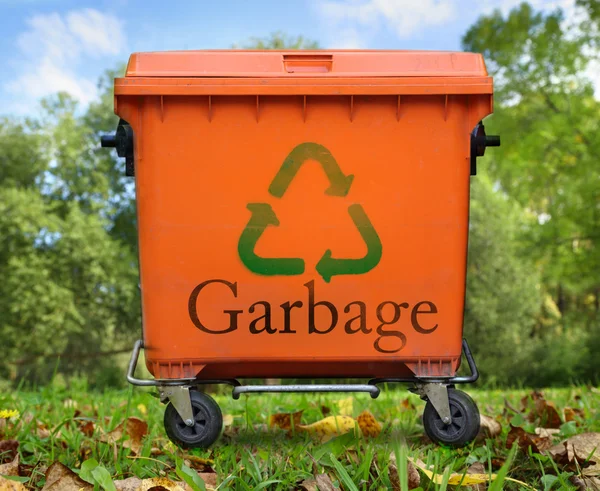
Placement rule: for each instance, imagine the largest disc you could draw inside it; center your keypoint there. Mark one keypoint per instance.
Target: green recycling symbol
(262, 215)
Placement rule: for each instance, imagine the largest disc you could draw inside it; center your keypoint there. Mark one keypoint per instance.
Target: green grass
(249, 455)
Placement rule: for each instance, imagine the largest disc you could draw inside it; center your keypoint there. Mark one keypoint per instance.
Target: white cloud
(404, 17)
(51, 50)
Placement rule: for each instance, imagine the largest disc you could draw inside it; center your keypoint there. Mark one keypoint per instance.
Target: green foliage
(547, 115)
(503, 285)
(279, 40)
(69, 283)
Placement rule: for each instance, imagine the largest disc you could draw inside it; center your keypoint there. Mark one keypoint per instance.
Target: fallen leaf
(576, 450)
(42, 430)
(227, 419)
(129, 484)
(584, 483)
(10, 468)
(10, 485)
(406, 404)
(87, 428)
(324, 483)
(456, 479)
(330, 426)
(159, 483)
(210, 479)
(488, 427)
(477, 468)
(61, 478)
(345, 406)
(284, 420)
(414, 478)
(8, 450)
(573, 414)
(325, 410)
(546, 432)
(542, 410)
(135, 430)
(309, 485)
(368, 424)
(537, 443)
(198, 463)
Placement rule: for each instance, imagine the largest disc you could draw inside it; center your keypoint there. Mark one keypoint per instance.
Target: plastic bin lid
(286, 72)
(321, 63)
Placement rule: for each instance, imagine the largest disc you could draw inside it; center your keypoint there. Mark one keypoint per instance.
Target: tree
(503, 285)
(280, 40)
(68, 285)
(547, 115)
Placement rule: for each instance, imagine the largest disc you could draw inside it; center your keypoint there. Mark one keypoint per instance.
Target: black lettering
(416, 311)
(287, 307)
(312, 328)
(382, 333)
(267, 317)
(362, 316)
(192, 308)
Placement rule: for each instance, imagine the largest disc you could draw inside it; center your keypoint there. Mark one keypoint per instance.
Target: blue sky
(52, 45)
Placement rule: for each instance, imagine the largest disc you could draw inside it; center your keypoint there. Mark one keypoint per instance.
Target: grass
(250, 456)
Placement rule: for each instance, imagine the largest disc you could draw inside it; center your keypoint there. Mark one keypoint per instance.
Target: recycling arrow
(329, 266)
(263, 216)
(339, 182)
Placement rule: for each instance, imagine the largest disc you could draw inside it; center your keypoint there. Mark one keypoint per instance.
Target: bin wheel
(465, 420)
(208, 422)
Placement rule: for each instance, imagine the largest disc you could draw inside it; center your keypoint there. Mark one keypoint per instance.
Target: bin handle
(307, 63)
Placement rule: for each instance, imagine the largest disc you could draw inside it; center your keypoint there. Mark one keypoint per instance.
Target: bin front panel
(286, 229)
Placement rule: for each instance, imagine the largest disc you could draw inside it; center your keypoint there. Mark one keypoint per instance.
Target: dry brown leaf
(488, 427)
(8, 450)
(325, 410)
(542, 410)
(135, 430)
(324, 483)
(61, 478)
(368, 424)
(198, 463)
(477, 468)
(546, 432)
(284, 420)
(129, 484)
(10, 468)
(576, 450)
(537, 443)
(414, 478)
(210, 480)
(330, 426)
(585, 483)
(87, 428)
(309, 485)
(10, 485)
(573, 414)
(227, 419)
(407, 405)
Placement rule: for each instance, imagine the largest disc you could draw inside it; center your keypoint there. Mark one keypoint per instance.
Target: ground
(84, 430)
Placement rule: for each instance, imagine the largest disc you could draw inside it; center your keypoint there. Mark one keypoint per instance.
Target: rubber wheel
(207, 418)
(465, 421)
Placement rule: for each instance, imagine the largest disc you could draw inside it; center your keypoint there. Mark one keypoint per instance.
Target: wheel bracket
(179, 396)
(437, 394)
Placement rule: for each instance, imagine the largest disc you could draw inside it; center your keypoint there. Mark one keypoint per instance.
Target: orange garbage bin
(303, 215)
